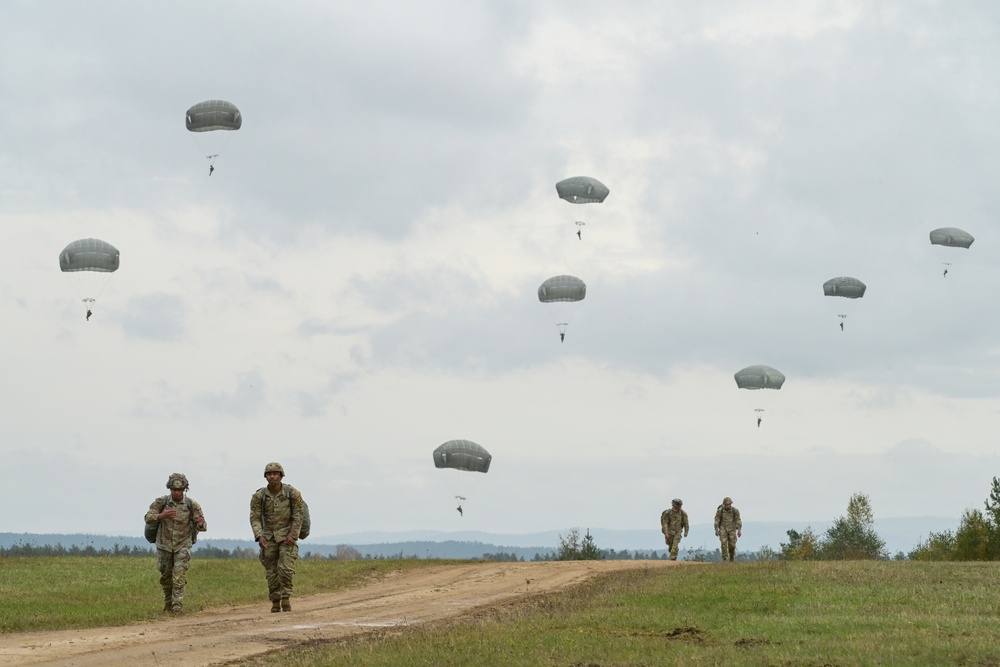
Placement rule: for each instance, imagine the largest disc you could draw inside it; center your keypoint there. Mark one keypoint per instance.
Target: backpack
(306, 521)
(153, 529)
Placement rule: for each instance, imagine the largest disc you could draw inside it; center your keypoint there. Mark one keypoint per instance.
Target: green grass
(54, 593)
(780, 614)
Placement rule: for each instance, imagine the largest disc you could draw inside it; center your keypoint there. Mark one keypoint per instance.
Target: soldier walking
(672, 522)
(728, 527)
(177, 517)
(276, 515)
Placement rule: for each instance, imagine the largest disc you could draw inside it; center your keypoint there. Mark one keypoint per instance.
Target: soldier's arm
(738, 522)
(255, 507)
(685, 524)
(153, 515)
(663, 523)
(297, 514)
(199, 516)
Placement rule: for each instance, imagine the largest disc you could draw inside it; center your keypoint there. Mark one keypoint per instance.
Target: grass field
(781, 614)
(55, 593)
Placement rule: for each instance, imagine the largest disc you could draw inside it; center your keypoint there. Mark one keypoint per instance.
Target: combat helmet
(177, 481)
(676, 502)
(274, 466)
(727, 501)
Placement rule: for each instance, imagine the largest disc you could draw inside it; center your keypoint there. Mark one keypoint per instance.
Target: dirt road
(226, 636)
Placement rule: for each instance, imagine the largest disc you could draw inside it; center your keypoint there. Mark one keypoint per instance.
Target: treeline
(976, 538)
(28, 549)
(851, 537)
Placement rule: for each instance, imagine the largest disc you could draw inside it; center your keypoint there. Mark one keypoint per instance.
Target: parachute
(211, 116)
(950, 237)
(846, 287)
(89, 264)
(462, 455)
(953, 237)
(564, 292)
(562, 288)
(759, 377)
(582, 190)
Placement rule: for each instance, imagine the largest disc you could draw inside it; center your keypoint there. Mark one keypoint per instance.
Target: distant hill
(900, 534)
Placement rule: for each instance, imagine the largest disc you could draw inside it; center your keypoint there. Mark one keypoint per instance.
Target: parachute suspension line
(218, 145)
(87, 285)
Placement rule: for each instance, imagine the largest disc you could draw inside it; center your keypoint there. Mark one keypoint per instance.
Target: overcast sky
(356, 282)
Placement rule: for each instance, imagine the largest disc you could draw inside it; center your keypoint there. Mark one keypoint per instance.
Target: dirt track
(227, 636)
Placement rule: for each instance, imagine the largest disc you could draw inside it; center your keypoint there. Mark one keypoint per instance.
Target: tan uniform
(728, 523)
(173, 544)
(672, 524)
(275, 516)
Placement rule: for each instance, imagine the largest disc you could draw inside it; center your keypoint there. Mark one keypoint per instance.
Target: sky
(355, 284)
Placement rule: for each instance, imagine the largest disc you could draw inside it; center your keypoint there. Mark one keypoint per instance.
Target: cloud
(158, 317)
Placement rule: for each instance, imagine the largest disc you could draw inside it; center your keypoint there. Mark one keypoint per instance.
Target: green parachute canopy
(845, 286)
(953, 237)
(562, 288)
(89, 255)
(759, 377)
(582, 190)
(89, 263)
(213, 115)
(462, 455)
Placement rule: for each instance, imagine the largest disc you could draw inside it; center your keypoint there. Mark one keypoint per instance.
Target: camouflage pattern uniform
(173, 545)
(275, 516)
(672, 522)
(728, 523)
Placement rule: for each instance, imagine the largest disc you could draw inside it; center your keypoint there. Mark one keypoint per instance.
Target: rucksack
(153, 529)
(306, 521)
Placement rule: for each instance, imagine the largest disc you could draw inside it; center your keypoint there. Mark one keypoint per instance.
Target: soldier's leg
(732, 547)
(724, 545)
(182, 561)
(288, 554)
(675, 542)
(269, 559)
(165, 564)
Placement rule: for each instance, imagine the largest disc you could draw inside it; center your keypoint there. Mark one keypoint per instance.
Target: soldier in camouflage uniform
(672, 522)
(728, 527)
(276, 517)
(176, 516)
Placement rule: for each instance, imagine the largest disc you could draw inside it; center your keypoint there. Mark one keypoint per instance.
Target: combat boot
(275, 605)
(167, 605)
(176, 609)
(285, 604)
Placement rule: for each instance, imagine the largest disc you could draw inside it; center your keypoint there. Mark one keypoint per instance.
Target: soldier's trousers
(727, 539)
(675, 543)
(278, 560)
(173, 567)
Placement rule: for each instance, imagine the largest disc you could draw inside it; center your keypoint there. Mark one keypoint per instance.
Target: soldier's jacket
(672, 523)
(175, 533)
(728, 519)
(281, 514)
